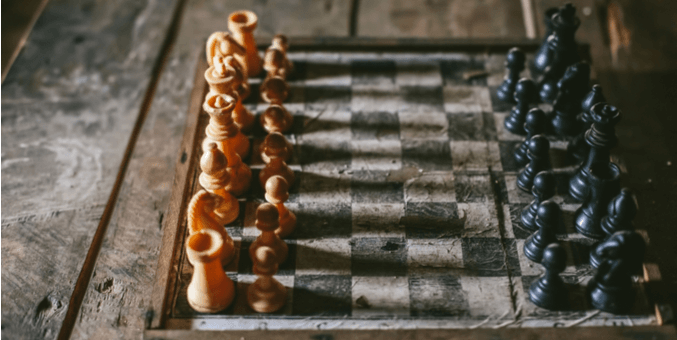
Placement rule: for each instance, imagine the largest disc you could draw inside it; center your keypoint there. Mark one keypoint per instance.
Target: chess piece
(548, 220)
(241, 116)
(201, 216)
(610, 290)
(267, 219)
(242, 25)
(543, 58)
(514, 65)
(210, 290)
(266, 295)
(549, 291)
(543, 189)
(525, 94)
(223, 44)
(601, 138)
(276, 119)
(539, 160)
(214, 178)
(567, 106)
(276, 143)
(277, 192)
(535, 124)
(275, 149)
(620, 212)
(578, 149)
(228, 139)
(275, 61)
(604, 183)
(274, 90)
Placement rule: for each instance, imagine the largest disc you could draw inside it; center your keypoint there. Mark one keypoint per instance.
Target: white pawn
(266, 295)
(277, 192)
(276, 119)
(201, 216)
(267, 221)
(214, 178)
(274, 151)
(210, 289)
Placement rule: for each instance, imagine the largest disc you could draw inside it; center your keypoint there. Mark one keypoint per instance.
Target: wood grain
(583, 333)
(433, 19)
(68, 107)
(117, 303)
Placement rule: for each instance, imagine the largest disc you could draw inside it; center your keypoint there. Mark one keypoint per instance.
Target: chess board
(406, 202)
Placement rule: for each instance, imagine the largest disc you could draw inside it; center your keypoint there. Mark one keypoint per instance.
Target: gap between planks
(85, 275)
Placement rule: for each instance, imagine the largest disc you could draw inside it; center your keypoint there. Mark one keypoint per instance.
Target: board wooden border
(186, 174)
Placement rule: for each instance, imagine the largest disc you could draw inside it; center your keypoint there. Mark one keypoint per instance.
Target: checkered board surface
(406, 203)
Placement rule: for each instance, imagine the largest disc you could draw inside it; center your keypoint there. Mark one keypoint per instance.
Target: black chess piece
(535, 124)
(622, 254)
(525, 94)
(601, 138)
(549, 291)
(542, 58)
(544, 188)
(539, 160)
(514, 64)
(562, 48)
(548, 219)
(571, 90)
(578, 149)
(620, 213)
(604, 181)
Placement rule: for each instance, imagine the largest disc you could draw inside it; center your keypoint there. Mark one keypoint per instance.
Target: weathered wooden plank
(117, 303)
(455, 18)
(582, 333)
(68, 106)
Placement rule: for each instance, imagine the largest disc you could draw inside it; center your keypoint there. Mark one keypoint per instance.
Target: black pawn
(525, 94)
(535, 124)
(543, 189)
(547, 85)
(601, 138)
(514, 65)
(543, 59)
(539, 160)
(620, 213)
(578, 149)
(622, 254)
(604, 182)
(549, 291)
(571, 90)
(548, 219)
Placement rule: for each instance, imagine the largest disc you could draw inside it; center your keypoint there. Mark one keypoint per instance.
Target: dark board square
(579, 254)
(288, 267)
(374, 125)
(322, 295)
(486, 256)
(374, 187)
(428, 155)
(431, 220)
(378, 257)
(299, 72)
(234, 228)
(254, 95)
(473, 188)
(373, 72)
(498, 105)
(320, 98)
(339, 154)
(422, 98)
(507, 151)
(515, 219)
(453, 71)
(437, 295)
(320, 220)
(471, 126)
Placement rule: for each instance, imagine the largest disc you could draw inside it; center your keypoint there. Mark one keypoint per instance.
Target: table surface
(94, 107)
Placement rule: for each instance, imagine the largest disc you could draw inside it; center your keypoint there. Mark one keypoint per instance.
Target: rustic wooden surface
(454, 18)
(584, 333)
(71, 98)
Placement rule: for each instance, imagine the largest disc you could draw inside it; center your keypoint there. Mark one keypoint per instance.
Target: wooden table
(93, 111)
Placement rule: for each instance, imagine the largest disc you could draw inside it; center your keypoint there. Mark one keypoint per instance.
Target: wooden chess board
(406, 203)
